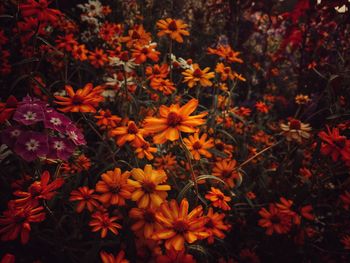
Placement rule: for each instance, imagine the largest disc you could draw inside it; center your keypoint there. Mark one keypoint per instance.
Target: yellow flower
(198, 146)
(195, 75)
(149, 192)
(175, 28)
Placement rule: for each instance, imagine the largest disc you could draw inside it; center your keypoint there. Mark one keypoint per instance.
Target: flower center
(56, 121)
(148, 187)
(197, 145)
(132, 128)
(32, 145)
(172, 26)
(174, 119)
(275, 220)
(295, 125)
(58, 145)
(226, 173)
(340, 142)
(180, 226)
(197, 73)
(77, 100)
(30, 115)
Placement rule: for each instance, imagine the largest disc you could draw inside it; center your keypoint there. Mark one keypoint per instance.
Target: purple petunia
(56, 121)
(75, 135)
(60, 148)
(31, 145)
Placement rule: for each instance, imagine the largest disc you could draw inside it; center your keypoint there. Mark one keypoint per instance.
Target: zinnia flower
(199, 146)
(215, 225)
(174, 28)
(102, 222)
(173, 120)
(218, 199)
(114, 187)
(149, 190)
(180, 225)
(296, 130)
(195, 75)
(274, 220)
(110, 258)
(86, 198)
(145, 221)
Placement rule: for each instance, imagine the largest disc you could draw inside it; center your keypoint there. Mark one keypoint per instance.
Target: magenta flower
(75, 135)
(29, 113)
(56, 121)
(60, 148)
(31, 145)
(10, 135)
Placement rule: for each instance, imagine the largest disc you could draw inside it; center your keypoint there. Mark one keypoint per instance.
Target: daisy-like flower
(144, 149)
(149, 190)
(163, 85)
(226, 169)
(101, 221)
(218, 199)
(141, 53)
(215, 225)
(29, 114)
(40, 10)
(301, 99)
(16, 221)
(31, 145)
(296, 130)
(39, 190)
(173, 120)
(180, 225)
(124, 61)
(227, 53)
(174, 28)
(106, 120)
(83, 100)
(80, 52)
(334, 144)
(86, 197)
(98, 58)
(114, 187)
(225, 72)
(157, 71)
(199, 146)
(8, 108)
(274, 220)
(137, 35)
(129, 133)
(262, 107)
(195, 75)
(145, 221)
(110, 258)
(165, 162)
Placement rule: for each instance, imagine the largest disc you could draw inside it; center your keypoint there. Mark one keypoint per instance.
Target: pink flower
(29, 114)
(56, 121)
(75, 135)
(31, 145)
(10, 135)
(60, 148)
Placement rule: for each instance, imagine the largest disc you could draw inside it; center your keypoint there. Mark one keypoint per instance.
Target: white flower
(128, 65)
(32, 145)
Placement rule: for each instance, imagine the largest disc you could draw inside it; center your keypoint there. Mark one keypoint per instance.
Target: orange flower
(218, 199)
(225, 72)
(110, 258)
(157, 71)
(85, 197)
(226, 169)
(165, 162)
(198, 146)
(163, 85)
(102, 222)
(262, 107)
(83, 100)
(129, 133)
(173, 120)
(98, 58)
(106, 120)
(175, 256)
(144, 149)
(149, 192)
(137, 35)
(194, 75)
(274, 221)
(215, 226)
(79, 164)
(175, 28)
(141, 53)
(114, 187)
(227, 53)
(145, 221)
(179, 225)
(80, 52)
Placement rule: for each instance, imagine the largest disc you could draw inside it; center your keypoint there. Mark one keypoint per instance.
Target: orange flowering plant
(174, 131)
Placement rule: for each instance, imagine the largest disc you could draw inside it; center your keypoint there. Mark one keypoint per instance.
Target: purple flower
(56, 121)
(29, 114)
(10, 135)
(60, 148)
(31, 145)
(75, 135)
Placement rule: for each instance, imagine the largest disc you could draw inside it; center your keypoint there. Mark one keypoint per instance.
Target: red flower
(7, 108)
(274, 220)
(39, 190)
(40, 10)
(16, 221)
(334, 144)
